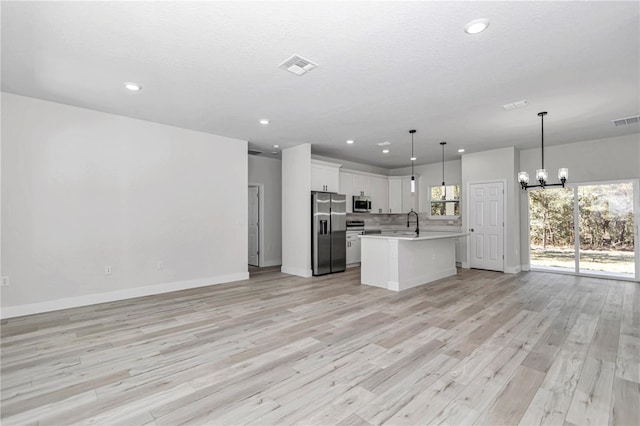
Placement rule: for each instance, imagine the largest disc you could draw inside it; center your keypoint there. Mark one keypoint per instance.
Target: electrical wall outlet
(160, 264)
(5, 281)
(107, 270)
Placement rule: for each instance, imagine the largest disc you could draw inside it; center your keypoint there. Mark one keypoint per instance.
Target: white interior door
(254, 224)
(486, 226)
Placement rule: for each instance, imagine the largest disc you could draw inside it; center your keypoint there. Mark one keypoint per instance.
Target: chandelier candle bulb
(542, 176)
(563, 174)
(523, 177)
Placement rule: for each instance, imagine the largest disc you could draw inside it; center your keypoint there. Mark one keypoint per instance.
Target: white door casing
(486, 226)
(254, 224)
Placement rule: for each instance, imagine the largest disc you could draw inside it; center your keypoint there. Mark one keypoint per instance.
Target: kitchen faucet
(417, 221)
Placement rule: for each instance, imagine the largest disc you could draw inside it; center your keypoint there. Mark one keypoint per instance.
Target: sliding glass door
(551, 229)
(606, 243)
(588, 229)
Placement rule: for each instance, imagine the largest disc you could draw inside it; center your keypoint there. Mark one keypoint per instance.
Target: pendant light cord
(412, 157)
(412, 154)
(443, 144)
(542, 114)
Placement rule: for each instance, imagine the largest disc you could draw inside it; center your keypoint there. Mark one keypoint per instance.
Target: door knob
(471, 229)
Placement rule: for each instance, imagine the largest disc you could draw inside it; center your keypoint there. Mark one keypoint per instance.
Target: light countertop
(410, 236)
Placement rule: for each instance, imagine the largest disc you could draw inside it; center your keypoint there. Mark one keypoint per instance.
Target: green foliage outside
(449, 205)
(605, 224)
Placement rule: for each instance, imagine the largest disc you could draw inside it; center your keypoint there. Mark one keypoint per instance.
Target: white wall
(268, 172)
(589, 161)
(498, 164)
(296, 210)
(83, 189)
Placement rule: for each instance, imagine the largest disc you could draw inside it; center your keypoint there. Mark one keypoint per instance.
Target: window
(445, 204)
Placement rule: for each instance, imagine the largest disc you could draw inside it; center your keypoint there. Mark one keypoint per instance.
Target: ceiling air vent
(254, 152)
(628, 120)
(298, 65)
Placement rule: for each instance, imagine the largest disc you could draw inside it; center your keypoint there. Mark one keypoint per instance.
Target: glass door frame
(576, 232)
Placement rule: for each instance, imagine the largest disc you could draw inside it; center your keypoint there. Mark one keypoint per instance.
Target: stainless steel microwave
(361, 204)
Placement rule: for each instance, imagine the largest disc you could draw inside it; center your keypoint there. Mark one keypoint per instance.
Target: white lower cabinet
(353, 249)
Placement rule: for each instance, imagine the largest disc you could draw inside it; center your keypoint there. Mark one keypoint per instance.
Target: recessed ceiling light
(385, 151)
(476, 26)
(387, 143)
(514, 105)
(461, 150)
(350, 141)
(276, 146)
(134, 87)
(264, 121)
(413, 158)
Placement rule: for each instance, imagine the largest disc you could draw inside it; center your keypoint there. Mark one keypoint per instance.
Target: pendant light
(413, 159)
(444, 187)
(541, 174)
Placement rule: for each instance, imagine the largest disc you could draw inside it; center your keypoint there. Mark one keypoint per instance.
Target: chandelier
(541, 173)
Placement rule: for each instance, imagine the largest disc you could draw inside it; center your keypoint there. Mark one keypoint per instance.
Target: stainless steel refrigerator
(328, 232)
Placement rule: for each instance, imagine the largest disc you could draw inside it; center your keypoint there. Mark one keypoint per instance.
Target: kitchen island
(398, 262)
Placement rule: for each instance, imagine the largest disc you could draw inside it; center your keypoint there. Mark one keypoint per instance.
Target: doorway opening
(586, 229)
(253, 223)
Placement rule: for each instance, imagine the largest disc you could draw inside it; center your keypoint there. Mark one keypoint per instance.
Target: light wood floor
(480, 347)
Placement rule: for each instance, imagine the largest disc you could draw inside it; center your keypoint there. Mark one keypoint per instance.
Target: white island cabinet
(398, 262)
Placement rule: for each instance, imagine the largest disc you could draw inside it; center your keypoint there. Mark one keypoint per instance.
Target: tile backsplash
(373, 221)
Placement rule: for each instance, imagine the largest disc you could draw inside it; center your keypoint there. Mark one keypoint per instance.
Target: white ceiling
(384, 68)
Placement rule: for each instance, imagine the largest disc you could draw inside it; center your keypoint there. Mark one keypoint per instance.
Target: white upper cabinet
(346, 188)
(401, 199)
(325, 176)
(395, 195)
(359, 183)
(379, 194)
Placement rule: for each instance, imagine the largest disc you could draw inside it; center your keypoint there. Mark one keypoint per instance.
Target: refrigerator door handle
(324, 230)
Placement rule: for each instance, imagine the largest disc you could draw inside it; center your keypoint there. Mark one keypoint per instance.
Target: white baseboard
(300, 272)
(526, 267)
(271, 263)
(112, 296)
(512, 269)
(464, 265)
